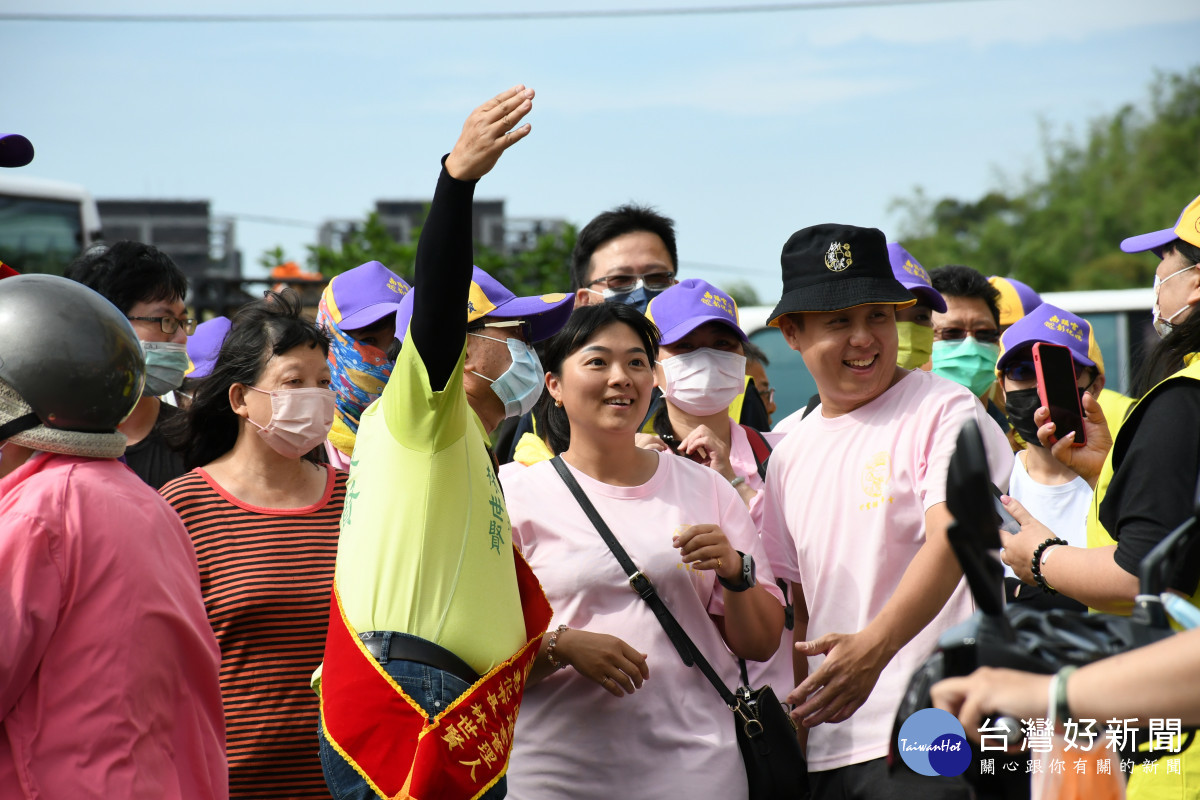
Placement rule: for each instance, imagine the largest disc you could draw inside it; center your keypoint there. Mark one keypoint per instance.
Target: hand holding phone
(1008, 523)
(1058, 390)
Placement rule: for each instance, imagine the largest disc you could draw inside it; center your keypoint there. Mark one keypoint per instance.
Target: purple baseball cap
(1052, 325)
(490, 300)
(362, 296)
(15, 150)
(1187, 227)
(689, 304)
(914, 277)
(1016, 299)
(545, 314)
(404, 314)
(204, 345)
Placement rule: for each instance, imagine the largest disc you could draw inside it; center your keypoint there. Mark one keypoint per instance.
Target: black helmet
(69, 354)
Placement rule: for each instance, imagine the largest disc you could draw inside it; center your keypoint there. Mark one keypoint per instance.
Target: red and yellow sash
(387, 738)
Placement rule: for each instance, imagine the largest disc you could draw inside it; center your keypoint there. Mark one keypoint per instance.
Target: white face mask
(704, 381)
(1162, 326)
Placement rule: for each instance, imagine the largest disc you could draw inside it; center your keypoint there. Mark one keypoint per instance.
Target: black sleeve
(443, 279)
(1153, 489)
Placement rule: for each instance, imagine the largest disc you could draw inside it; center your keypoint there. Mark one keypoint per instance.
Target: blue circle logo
(933, 742)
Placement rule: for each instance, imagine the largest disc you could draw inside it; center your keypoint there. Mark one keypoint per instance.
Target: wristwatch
(748, 580)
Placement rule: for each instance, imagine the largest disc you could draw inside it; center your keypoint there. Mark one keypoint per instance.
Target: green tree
(369, 241)
(1126, 174)
(272, 258)
(543, 268)
(742, 293)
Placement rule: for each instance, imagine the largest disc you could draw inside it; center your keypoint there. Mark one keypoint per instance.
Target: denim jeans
(432, 689)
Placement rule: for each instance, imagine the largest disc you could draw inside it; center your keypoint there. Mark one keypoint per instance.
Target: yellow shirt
(426, 547)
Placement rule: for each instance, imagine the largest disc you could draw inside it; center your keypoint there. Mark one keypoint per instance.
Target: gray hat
(70, 364)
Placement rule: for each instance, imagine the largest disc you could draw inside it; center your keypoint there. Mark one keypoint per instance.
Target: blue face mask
(638, 297)
(520, 386)
(166, 362)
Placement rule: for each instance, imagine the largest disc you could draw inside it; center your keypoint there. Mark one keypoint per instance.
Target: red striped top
(266, 576)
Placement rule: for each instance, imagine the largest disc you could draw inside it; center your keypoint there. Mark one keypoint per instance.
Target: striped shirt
(266, 576)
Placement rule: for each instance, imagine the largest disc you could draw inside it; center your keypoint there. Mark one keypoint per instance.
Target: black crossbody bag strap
(641, 584)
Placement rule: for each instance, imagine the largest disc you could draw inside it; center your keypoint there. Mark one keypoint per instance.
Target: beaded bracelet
(1037, 563)
(553, 659)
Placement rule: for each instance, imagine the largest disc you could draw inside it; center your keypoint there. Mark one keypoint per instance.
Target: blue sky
(743, 128)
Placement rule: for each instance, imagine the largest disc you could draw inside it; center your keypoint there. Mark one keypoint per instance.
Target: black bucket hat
(831, 267)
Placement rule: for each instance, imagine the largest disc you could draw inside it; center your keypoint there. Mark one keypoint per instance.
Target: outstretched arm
(444, 252)
(1151, 682)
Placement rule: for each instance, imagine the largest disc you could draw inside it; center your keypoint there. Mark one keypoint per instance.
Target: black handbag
(766, 736)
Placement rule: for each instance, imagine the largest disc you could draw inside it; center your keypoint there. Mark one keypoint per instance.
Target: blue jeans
(433, 689)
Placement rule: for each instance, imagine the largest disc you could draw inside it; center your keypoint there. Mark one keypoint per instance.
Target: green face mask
(916, 344)
(967, 362)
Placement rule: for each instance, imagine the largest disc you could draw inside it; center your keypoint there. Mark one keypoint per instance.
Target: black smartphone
(1058, 389)
(1007, 522)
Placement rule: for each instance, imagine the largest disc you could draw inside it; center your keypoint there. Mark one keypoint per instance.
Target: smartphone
(1058, 389)
(1007, 522)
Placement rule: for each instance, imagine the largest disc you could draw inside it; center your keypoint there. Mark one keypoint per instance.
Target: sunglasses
(984, 336)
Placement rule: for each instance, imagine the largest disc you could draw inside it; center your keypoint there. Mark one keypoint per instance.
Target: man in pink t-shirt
(108, 665)
(855, 513)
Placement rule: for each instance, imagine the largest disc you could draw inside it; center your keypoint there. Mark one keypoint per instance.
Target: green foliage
(1130, 173)
(542, 269)
(742, 293)
(367, 242)
(272, 258)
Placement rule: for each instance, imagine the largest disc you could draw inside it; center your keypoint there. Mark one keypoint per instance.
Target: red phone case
(1038, 347)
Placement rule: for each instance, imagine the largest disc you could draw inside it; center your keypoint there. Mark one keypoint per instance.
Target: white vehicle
(1120, 318)
(44, 224)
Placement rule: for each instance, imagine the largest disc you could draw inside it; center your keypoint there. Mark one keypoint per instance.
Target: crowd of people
(386, 552)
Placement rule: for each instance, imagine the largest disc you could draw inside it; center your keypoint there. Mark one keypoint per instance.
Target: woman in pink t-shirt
(686, 528)
(702, 370)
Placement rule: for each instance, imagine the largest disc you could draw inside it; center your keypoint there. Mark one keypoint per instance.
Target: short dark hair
(955, 280)
(755, 354)
(126, 273)
(584, 323)
(629, 218)
(264, 328)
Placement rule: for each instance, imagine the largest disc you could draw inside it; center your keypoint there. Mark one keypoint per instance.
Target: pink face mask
(300, 420)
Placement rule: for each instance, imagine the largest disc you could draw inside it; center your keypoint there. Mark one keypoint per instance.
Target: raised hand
(488, 132)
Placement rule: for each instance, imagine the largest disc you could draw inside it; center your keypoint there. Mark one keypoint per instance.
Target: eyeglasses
(983, 336)
(1020, 371)
(1024, 371)
(170, 324)
(623, 284)
(768, 395)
